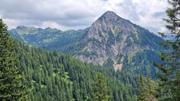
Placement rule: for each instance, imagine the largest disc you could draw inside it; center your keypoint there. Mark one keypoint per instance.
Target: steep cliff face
(109, 40)
(112, 37)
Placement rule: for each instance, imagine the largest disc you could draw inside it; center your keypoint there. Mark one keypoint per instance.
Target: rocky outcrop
(113, 37)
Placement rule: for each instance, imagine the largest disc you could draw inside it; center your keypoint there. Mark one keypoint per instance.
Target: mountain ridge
(109, 38)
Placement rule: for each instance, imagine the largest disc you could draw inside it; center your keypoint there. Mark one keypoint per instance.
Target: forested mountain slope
(51, 39)
(57, 77)
(110, 41)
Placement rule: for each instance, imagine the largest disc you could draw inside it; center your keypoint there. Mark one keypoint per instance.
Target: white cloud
(11, 22)
(51, 24)
(151, 13)
(75, 14)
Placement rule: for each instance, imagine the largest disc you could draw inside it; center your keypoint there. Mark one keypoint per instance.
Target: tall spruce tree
(11, 79)
(169, 75)
(101, 91)
(147, 89)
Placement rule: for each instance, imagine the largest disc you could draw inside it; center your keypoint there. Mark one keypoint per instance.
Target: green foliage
(170, 65)
(11, 79)
(101, 90)
(147, 89)
(51, 39)
(175, 87)
(58, 77)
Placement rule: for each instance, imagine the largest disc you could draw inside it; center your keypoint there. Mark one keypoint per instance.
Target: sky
(79, 14)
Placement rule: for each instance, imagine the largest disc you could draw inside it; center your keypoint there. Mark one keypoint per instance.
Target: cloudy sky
(79, 14)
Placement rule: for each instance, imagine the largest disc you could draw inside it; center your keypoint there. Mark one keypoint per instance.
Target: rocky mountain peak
(109, 23)
(21, 27)
(109, 14)
(111, 37)
(111, 18)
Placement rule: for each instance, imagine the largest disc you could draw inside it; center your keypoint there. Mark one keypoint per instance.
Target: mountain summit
(113, 38)
(110, 39)
(110, 15)
(110, 23)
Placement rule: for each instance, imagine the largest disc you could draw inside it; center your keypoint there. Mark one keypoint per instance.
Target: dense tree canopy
(57, 77)
(11, 80)
(170, 65)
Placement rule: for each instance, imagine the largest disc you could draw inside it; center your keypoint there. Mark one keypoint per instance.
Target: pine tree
(11, 79)
(101, 91)
(169, 76)
(147, 89)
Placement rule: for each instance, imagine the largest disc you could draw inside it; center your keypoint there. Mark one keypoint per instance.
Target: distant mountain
(51, 39)
(109, 41)
(169, 37)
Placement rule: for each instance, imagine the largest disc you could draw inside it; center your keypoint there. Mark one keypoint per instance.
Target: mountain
(51, 39)
(113, 37)
(109, 41)
(52, 76)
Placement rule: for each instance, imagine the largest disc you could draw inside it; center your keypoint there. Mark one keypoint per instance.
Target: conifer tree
(101, 91)
(170, 65)
(147, 89)
(11, 79)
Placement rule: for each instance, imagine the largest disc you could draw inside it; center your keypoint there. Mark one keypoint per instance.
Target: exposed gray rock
(113, 37)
